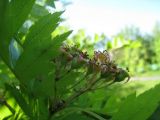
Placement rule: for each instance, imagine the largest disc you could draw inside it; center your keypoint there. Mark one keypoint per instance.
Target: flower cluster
(97, 72)
(101, 63)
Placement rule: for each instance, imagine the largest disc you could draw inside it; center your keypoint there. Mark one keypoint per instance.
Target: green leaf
(41, 85)
(39, 48)
(42, 30)
(13, 14)
(119, 92)
(20, 99)
(8, 117)
(140, 107)
(36, 60)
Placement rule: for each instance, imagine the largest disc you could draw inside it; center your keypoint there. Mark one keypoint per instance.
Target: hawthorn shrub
(47, 77)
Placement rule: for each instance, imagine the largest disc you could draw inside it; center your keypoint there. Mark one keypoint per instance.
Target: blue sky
(110, 16)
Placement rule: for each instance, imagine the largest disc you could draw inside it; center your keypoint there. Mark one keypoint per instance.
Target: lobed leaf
(39, 48)
(140, 107)
(13, 14)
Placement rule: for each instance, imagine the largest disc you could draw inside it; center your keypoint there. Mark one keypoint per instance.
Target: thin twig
(83, 90)
(104, 86)
(77, 83)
